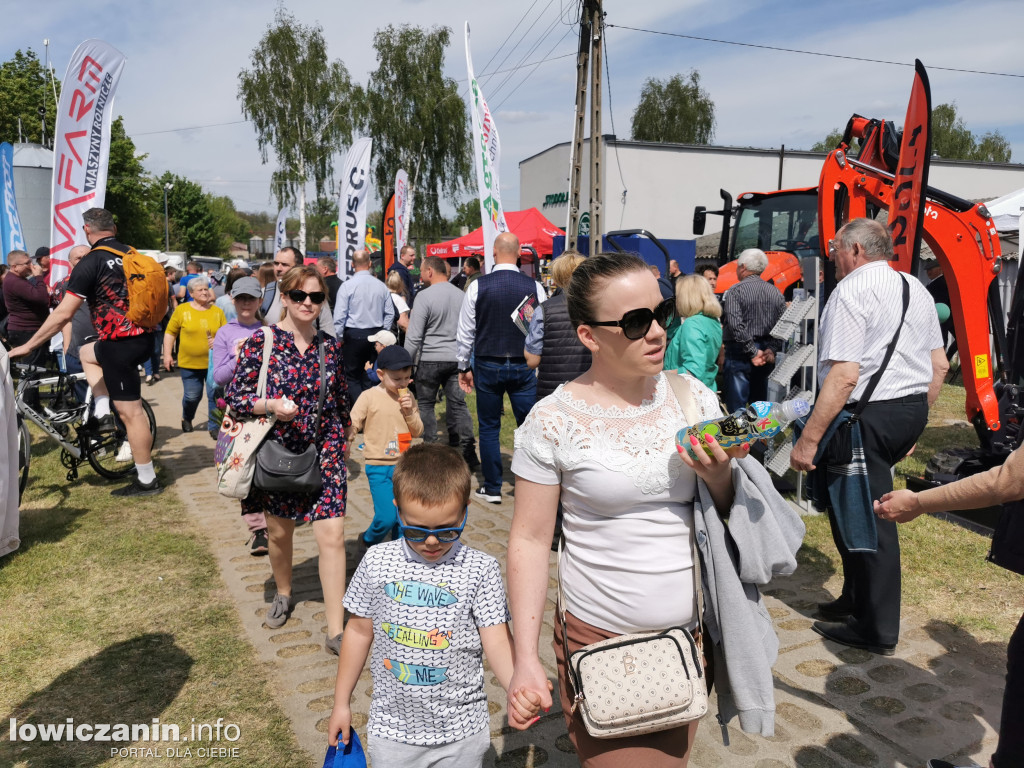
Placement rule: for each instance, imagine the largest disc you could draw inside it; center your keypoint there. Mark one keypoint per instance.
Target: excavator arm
(961, 235)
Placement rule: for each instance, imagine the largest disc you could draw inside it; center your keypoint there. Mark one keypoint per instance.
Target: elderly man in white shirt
(858, 326)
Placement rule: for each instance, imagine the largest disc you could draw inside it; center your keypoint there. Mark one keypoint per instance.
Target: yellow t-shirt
(377, 415)
(191, 325)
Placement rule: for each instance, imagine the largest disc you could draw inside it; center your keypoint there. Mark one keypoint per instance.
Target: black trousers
(871, 580)
(357, 352)
(1010, 749)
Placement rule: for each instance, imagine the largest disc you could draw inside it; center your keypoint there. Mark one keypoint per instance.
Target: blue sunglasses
(445, 535)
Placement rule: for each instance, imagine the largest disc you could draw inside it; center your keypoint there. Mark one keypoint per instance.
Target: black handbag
(839, 449)
(278, 469)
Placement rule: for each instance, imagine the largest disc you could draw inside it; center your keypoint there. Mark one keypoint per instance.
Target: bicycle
(106, 450)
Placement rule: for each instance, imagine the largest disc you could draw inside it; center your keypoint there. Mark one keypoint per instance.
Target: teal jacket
(694, 349)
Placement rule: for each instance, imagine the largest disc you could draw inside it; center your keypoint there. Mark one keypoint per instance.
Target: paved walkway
(939, 696)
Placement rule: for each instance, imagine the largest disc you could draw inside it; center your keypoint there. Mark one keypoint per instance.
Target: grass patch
(945, 574)
(114, 613)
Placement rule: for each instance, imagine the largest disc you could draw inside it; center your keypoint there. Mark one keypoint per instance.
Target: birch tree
(301, 107)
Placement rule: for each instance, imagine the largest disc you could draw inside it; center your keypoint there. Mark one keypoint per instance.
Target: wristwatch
(465, 370)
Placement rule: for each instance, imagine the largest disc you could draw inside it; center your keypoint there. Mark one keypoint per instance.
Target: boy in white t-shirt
(430, 606)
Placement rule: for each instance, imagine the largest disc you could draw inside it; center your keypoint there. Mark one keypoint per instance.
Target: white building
(660, 184)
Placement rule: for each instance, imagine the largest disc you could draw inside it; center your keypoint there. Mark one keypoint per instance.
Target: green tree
(677, 110)
(951, 139)
(830, 142)
(131, 195)
(24, 88)
(417, 121)
(300, 105)
(229, 224)
(193, 228)
(467, 214)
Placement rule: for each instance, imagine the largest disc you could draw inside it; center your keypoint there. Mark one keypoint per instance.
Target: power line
(190, 128)
(611, 114)
(507, 38)
(524, 66)
(537, 64)
(487, 78)
(540, 40)
(811, 53)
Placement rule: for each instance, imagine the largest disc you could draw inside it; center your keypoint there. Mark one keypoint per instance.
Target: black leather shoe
(835, 610)
(842, 633)
(186, 426)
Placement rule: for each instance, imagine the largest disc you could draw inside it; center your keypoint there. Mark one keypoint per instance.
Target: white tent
(1006, 210)
(1006, 213)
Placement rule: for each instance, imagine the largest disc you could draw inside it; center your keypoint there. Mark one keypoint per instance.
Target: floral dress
(297, 376)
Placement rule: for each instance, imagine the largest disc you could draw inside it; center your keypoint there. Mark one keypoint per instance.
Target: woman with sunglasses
(604, 445)
(293, 390)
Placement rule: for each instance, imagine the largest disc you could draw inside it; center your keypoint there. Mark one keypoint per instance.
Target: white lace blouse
(627, 500)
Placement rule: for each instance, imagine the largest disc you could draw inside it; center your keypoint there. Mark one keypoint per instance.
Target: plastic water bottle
(758, 421)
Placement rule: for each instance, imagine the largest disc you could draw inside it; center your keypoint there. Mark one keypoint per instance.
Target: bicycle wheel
(24, 454)
(109, 453)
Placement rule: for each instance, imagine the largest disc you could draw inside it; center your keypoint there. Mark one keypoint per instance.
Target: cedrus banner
(81, 146)
(403, 199)
(487, 152)
(11, 237)
(355, 183)
(279, 233)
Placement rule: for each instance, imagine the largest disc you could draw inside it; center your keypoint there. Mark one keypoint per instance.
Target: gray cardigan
(761, 539)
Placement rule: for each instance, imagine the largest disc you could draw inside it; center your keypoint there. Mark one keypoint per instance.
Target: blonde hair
(396, 284)
(563, 267)
(695, 297)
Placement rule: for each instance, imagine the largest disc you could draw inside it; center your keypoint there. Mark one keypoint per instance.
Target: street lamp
(167, 231)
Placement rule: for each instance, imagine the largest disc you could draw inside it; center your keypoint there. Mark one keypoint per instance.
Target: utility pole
(596, 188)
(589, 58)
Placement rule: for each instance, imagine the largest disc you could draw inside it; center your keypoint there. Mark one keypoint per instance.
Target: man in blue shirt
(362, 308)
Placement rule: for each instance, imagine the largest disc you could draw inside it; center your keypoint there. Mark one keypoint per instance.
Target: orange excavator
(865, 182)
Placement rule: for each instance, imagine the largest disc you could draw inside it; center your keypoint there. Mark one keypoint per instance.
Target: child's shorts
(467, 753)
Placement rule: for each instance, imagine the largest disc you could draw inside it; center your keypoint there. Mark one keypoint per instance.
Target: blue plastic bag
(351, 756)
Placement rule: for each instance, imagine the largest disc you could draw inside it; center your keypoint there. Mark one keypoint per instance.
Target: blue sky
(184, 57)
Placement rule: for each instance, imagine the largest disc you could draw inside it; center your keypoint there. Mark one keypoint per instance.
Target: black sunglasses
(637, 322)
(317, 297)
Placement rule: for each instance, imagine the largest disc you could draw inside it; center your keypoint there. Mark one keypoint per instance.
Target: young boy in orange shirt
(388, 418)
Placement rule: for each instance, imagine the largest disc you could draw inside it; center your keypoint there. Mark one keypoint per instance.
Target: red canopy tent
(530, 226)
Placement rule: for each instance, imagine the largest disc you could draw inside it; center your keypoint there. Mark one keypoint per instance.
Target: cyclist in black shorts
(111, 361)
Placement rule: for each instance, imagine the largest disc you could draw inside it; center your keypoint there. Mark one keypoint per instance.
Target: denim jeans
(192, 381)
(493, 380)
(743, 382)
(430, 377)
(385, 514)
(151, 364)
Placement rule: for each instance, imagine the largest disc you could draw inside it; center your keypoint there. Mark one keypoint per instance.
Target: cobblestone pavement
(939, 696)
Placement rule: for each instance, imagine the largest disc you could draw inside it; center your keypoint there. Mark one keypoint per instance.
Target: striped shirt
(752, 308)
(858, 324)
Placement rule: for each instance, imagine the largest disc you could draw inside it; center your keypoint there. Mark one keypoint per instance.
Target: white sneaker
(124, 453)
(483, 495)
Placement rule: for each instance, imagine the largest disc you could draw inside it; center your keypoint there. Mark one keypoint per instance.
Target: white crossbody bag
(644, 682)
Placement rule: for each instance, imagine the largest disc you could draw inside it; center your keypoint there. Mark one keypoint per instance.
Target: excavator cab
(782, 224)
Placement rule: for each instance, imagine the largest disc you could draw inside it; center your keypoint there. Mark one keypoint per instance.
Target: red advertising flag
(81, 146)
(388, 236)
(906, 211)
